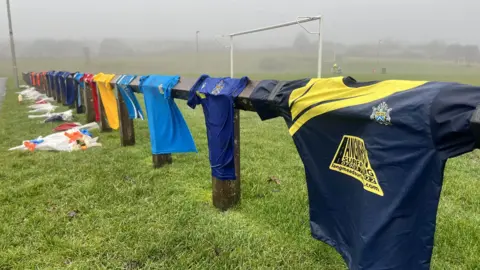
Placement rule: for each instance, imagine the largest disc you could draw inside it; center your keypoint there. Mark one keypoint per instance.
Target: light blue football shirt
(169, 132)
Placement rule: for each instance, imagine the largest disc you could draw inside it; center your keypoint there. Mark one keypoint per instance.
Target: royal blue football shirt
(217, 96)
(71, 91)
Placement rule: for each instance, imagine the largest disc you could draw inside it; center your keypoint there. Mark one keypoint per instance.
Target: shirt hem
(175, 152)
(345, 255)
(225, 178)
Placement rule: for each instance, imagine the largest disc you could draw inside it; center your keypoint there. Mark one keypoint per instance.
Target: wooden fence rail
(225, 193)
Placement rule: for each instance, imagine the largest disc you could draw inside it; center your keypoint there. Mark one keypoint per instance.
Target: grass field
(130, 216)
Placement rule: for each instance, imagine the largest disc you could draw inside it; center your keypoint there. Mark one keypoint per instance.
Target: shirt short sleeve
(450, 115)
(193, 98)
(270, 97)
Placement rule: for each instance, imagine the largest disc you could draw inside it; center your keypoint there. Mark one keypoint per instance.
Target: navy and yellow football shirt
(374, 155)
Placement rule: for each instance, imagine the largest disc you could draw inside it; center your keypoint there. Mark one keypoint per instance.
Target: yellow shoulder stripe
(299, 92)
(322, 90)
(336, 95)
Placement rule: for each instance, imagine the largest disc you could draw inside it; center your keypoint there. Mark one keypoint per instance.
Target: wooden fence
(225, 193)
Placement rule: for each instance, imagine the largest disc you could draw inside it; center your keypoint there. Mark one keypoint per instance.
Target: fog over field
(346, 21)
(425, 30)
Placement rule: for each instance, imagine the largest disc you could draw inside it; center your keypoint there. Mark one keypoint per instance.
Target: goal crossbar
(299, 21)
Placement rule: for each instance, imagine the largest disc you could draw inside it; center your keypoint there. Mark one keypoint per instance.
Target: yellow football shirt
(109, 100)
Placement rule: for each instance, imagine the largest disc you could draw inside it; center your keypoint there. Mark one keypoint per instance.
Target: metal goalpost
(231, 191)
(299, 21)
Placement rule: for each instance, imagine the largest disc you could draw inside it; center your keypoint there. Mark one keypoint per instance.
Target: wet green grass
(131, 216)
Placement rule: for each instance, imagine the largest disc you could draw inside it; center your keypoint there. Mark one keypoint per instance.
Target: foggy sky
(349, 21)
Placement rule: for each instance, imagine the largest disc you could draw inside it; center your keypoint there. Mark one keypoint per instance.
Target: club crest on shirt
(381, 114)
(218, 88)
(160, 88)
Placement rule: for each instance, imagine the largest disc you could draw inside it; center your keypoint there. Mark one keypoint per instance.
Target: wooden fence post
(127, 131)
(50, 86)
(158, 160)
(88, 100)
(56, 94)
(75, 91)
(54, 87)
(161, 160)
(42, 83)
(47, 79)
(59, 90)
(45, 83)
(226, 193)
(104, 127)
